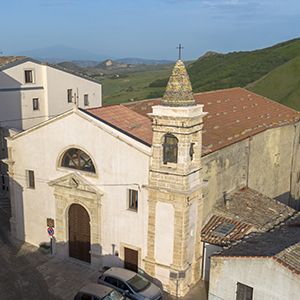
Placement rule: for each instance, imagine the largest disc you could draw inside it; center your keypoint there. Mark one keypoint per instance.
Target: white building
(32, 92)
(119, 185)
(262, 267)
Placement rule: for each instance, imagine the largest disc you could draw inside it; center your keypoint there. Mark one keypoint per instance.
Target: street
(27, 273)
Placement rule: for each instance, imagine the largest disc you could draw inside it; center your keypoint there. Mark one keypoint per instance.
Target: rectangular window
(35, 104)
(30, 179)
(69, 95)
(132, 199)
(28, 76)
(86, 100)
(244, 292)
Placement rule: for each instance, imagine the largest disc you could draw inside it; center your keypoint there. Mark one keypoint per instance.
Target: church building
(158, 185)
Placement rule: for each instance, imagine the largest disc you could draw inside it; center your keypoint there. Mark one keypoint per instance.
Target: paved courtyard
(27, 273)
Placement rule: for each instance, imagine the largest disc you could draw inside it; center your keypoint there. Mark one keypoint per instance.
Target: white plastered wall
(269, 279)
(119, 166)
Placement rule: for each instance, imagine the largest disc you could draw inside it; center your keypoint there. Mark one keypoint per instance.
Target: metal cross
(180, 50)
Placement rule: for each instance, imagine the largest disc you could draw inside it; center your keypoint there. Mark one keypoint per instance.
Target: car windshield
(138, 283)
(113, 295)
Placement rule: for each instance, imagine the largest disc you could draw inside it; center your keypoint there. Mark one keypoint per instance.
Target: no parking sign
(50, 231)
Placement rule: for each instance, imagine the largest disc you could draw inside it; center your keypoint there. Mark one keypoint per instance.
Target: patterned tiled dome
(179, 89)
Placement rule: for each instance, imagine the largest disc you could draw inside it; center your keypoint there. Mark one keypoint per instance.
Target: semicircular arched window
(77, 159)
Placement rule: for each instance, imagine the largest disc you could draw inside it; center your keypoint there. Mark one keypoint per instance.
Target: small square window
(28, 76)
(69, 95)
(132, 199)
(35, 104)
(30, 179)
(86, 100)
(244, 292)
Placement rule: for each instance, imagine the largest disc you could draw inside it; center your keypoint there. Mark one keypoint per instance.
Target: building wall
(49, 85)
(295, 176)
(125, 167)
(16, 96)
(268, 162)
(257, 273)
(224, 171)
(57, 92)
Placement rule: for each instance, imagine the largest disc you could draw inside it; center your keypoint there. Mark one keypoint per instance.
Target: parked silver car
(94, 291)
(131, 284)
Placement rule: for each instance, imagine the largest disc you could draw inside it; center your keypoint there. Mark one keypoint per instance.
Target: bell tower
(175, 195)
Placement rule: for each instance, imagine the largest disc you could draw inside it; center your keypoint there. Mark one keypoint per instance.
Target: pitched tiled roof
(208, 234)
(282, 244)
(5, 60)
(248, 211)
(233, 115)
(125, 120)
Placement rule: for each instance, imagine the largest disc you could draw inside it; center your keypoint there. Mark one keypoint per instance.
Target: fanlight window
(170, 148)
(77, 159)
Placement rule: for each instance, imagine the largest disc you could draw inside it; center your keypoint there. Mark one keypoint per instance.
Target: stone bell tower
(175, 198)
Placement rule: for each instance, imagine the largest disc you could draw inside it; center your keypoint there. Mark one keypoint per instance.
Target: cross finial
(180, 50)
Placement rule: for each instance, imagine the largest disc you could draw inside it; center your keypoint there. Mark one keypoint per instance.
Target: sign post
(50, 231)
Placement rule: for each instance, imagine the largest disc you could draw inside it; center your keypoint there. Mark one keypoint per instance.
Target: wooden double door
(79, 233)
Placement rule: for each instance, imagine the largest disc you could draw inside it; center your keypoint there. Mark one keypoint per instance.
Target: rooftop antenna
(180, 51)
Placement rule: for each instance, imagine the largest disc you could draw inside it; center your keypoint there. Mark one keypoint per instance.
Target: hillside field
(282, 84)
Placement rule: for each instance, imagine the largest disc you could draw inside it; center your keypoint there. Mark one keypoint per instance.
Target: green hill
(239, 68)
(217, 71)
(282, 84)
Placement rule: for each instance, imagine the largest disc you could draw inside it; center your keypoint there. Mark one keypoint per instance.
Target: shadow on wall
(17, 210)
(289, 200)
(11, 105)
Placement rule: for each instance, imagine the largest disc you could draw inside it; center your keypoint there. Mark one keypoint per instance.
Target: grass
(282, 84)
(133, 86)
(272, 72)
(240, 68)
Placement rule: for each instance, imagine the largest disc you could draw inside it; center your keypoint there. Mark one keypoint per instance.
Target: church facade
(124, 187)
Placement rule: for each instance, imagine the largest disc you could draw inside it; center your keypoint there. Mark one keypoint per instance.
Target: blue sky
(147, 28)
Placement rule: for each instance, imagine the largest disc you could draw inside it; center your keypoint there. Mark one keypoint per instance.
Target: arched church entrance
(79, 233)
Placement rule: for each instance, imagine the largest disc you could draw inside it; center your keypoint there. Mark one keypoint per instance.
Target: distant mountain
(281, 84)
(85, 63)
(143, 61)
(60, 53)
(70, 66)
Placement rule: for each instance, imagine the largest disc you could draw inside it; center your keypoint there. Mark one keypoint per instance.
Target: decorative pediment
(75, 181)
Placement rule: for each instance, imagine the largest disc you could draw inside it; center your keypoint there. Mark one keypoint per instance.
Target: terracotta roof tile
(248, 211)
(233, 115)
(208, 232)
(282, 244)
(125, 120)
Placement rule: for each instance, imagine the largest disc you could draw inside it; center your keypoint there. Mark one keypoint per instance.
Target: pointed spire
(179, 89)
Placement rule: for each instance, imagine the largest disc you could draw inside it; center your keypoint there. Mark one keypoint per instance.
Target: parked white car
(131, 284)
(94, 291)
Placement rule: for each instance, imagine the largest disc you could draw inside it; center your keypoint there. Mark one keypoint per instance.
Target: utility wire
(42, 180)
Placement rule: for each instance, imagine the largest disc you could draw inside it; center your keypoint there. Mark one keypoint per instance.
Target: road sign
(50, 231)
